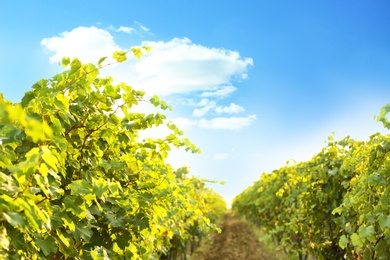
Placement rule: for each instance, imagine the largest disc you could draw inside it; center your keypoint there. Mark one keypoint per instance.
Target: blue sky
(252, 83)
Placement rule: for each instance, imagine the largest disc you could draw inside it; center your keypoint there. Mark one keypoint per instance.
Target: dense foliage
(334, 206)
(77, 181)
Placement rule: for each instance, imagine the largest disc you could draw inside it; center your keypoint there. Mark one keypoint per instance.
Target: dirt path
(237, 241)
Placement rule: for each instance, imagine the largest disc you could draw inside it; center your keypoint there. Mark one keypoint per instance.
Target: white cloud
(206, 105)
(204, 102)
(199, 112)
(221, 92)
(86, 43)
(125, 29)
(142, 27)
(184, 123)
(226, 123)
(231, 109)
(179, 66)
(244, 76)
(174, 67)
(217, 123)
(220, 156)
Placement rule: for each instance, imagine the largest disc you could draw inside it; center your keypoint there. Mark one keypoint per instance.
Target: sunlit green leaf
(4, 241)
(65, 61)
(83, 232)
(62, 238)
(101, 60)
(137, 52)
(343, 242)
(147, 48)
(356, 240)
(48, 245)
(384, 222)
(14, 218)
(120, 56)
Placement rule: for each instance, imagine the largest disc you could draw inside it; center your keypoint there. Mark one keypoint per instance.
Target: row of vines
(334, 206)
(78, 182)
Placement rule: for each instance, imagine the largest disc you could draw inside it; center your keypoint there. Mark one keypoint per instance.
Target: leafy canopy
(76, 180)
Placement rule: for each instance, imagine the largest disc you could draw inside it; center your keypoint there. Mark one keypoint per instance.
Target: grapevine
(77, 181)
(333, 206)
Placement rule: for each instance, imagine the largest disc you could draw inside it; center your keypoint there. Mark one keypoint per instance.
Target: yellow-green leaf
(120, 56)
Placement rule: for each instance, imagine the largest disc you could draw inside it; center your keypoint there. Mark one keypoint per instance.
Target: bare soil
(237, 241)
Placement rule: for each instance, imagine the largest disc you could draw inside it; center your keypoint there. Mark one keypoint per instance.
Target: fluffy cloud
(199, 112)
(142, 27)
(226, 123)
(220, 156)
(173, 67)
(125, 29)
(231, 109)
(184, 123)
(206, 105)
(218, 123)
(137, 28)
(220, 92)
(86, 43)
(179, 66)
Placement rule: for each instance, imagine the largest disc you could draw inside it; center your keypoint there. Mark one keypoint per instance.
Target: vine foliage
(334, 206)
(77, 181)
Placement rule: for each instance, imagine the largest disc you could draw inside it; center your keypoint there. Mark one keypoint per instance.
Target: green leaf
(94, 255)
(120, 56)
(75, 66)
(101, 60)
(367, 233)
(99, 190)
(133, 249)
(62, 238)
(382, 250)
(6, 158)
(75, 205)
(80, 187)
(47, 246)
(49, 158)
(385, 110)
(14, 218)
(367, 253)
(65, 61)
(383, 116)
(83, 232)
(343, 242)
(137, 52)
(28, 96)
(147, 48)
(4, 242)
(38, 131)
(384, 222)
(124, 239)
(117, 249)
(337, 210)
(155, 100)
(356, 240)
(114, 220)
(68, 222)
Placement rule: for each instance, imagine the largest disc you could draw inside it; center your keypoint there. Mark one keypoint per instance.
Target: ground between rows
(236, 241)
